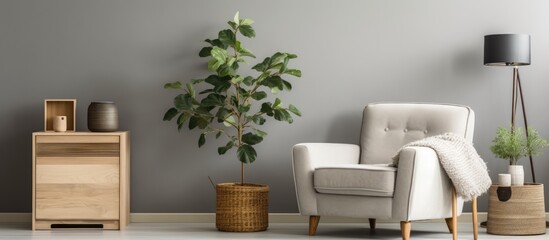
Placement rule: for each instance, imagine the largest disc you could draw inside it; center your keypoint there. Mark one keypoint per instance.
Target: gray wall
(351, 53)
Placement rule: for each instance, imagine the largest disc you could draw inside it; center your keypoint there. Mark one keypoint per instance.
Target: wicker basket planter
(516, 210)
(242, 208)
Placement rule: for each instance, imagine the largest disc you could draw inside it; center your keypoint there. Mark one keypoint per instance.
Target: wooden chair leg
(475, 219)
(454, 214)
(405, 228)
(449, 224)
(372, 224)
(313, 224)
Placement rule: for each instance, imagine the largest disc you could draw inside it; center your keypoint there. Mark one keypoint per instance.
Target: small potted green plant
(234, 105)
(512, 144)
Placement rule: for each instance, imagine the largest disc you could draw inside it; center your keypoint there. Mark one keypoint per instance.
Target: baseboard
(273, 218)
(210, 218)
(15, 217)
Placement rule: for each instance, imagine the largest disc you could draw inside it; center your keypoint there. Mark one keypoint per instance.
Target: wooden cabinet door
(77, 179)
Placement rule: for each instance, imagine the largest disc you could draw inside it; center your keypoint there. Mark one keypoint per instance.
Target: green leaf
(231, 61)
(233, 25)
(247, 31)
(291, 56)
(237, 79)
(227, 147)
(294, 72)
(201, 140)
(263, 66)
(273, 82)
(225, 70)
(287, 85)
(282, 115)
(294, 110)
(245, 52)
(213, 64)
(218, 134)
(221, 84)
(236, 17)
(259, 120)
(276, 66)
(234, 101)
(183, 101)
(277, 103)
(206, 91)
(275, 90)
(203, 110)
(278, 115)
(248, 80)
(213, 99)
(174, 85)
(203, 123)
(259, 95)
(227, 37)
(260, 133)
(221, 114)
(246, 21)
(229, 121)
(216, 43)
(243, 108)
(196, 81)
(205, 51)
(278, 57)
(251, 138)
(219, 54)
(246, 153)
(267, 109)
(182, 118)
(190, 89)
(193, 122)
(284, 65)
(170, 114)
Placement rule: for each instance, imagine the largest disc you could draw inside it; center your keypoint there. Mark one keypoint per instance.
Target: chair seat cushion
(356, 179)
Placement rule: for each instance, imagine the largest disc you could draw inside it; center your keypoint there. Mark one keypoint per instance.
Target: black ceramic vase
(102, 117)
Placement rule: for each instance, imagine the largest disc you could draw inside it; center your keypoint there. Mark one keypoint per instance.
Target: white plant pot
(517, 175)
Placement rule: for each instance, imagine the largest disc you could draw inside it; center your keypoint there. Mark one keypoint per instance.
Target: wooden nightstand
(80, 179)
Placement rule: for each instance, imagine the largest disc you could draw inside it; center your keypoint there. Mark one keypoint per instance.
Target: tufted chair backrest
(388, 126)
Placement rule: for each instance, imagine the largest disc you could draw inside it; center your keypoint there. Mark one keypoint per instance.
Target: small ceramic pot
(60, 124)
(102, 117)
(504, 180)
(517, 175)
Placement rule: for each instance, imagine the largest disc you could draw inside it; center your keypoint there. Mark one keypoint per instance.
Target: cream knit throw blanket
(461, 162)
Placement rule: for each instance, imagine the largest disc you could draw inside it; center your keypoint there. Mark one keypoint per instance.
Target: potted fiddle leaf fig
(233, 105)
(513, 144)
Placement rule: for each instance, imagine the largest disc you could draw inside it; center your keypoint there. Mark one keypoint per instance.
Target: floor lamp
(511, 50)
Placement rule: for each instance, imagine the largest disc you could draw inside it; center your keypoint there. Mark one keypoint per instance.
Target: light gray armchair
(349, 180)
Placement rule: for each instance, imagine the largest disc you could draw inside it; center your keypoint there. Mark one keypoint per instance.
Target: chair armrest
(308, 156)
(423, 190)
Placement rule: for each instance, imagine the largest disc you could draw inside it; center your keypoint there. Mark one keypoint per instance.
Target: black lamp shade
(507, 50)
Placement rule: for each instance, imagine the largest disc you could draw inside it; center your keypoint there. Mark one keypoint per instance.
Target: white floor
(275, 231)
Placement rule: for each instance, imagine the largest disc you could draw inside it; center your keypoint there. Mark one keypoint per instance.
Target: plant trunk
(241, 174)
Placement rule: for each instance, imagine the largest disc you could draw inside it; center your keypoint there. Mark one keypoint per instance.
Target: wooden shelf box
(80, 178)
(59, 107)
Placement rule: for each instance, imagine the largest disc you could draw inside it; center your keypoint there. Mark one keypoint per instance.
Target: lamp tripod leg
(525, 123)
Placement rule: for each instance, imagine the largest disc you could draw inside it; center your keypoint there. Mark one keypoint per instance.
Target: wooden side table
(80, 179)
(516, 210)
